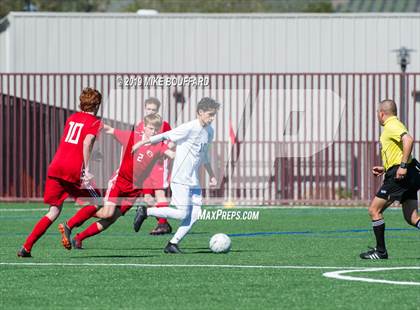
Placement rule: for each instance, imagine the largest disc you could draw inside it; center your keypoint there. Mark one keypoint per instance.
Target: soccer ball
(220, 243)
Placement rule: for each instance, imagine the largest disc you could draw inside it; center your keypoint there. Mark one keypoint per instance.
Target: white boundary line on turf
(175, 265)
(22, 210)
(339, 275)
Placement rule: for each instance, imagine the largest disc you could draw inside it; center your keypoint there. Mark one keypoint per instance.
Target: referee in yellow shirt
(401, 181)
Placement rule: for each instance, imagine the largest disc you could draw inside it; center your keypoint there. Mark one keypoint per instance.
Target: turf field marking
(23, 210)
(340, 275)
(174, 265)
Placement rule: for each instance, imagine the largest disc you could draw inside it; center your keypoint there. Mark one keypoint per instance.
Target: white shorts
(184, 196)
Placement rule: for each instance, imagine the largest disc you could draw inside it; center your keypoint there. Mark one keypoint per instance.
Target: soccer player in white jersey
(192, 140)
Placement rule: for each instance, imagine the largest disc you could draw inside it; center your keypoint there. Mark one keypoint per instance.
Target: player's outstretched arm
(140, 144)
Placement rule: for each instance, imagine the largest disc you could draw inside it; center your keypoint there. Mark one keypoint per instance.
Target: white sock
(167, 212)
(186, 224)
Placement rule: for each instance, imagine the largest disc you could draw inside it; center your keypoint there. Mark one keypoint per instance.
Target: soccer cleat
(23, 253)
(141, 215)
(172, 248)
(161, 229)
(65, 232)
(373, 253)
(76, 244)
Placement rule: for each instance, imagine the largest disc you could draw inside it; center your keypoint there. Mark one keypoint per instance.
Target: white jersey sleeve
(175, 135)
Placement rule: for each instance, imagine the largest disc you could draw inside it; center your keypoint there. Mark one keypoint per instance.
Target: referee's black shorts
(404, 189)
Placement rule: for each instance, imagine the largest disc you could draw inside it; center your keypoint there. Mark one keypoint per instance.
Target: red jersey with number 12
(67, 163)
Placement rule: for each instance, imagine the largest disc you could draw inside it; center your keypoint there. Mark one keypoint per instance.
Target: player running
(67, 173)
(192, 140)
(158, 181)
(125, 187)
(402, 177)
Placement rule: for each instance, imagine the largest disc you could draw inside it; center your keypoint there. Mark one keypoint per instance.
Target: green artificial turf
(120, 269)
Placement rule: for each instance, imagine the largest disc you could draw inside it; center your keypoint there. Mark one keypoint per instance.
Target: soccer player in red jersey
(158, 181)
(127, 185)
(67, 173)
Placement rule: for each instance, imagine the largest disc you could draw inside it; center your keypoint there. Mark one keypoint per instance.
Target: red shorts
(57, 190)
(122, 193)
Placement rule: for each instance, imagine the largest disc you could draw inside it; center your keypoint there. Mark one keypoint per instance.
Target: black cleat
(23, 253)
(65, 232)
(373, 253)
(161, 229)
(76, 244)
(141, 215)
(172, 248)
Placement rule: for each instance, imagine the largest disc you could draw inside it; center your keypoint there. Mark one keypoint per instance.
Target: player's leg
(95, 228)
(54, 195)
(410, 212)
(107, 211)
(89, 195)
(180, 199)
(155, 184)
(376, 208)
(163, 227)
(193, 214)
(85, 194)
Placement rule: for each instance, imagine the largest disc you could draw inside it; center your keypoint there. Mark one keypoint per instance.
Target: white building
(79, 42)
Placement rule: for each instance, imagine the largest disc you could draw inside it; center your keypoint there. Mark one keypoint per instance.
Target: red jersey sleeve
(165, 127)
(94, 128)
(122, 136)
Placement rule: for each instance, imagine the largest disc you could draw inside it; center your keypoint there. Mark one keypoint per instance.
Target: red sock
(39, 229)
(162, 205)
(81, 216)
(88, 232)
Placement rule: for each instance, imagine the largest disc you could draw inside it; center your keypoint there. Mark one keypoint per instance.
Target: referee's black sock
(379, 230)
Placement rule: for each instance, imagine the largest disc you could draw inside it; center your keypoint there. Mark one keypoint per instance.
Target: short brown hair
(90, 99)
(153, 119)
(152, 100)
(207, 104)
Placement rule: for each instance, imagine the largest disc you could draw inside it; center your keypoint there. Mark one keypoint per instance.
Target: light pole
(403, 59)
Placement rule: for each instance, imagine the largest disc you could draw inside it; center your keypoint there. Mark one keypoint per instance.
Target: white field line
(340, 275)
(346, 269)
(173, 265)
(332, 274)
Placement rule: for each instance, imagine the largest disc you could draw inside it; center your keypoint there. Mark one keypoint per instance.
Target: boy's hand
(378, 171)
(86, 176)
(213, 182)
(108, 129)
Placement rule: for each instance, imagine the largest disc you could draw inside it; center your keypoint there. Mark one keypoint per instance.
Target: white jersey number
(74, 132)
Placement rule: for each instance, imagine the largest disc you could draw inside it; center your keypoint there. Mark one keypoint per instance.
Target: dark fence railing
(267, 149)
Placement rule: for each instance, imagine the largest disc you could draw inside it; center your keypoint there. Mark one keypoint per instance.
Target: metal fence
(267, 149)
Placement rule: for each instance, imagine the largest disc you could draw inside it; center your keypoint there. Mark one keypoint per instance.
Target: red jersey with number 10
(67, 163)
